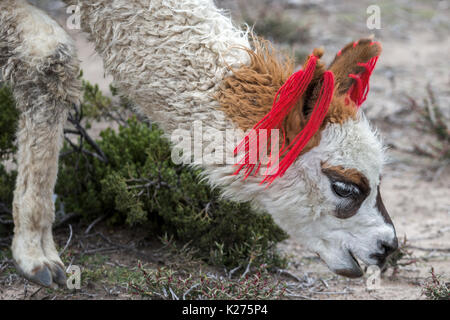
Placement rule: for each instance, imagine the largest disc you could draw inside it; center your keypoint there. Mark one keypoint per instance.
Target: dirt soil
(415, 186)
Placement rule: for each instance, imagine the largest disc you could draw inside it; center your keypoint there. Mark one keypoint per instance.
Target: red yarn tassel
(360, 88)
(291, 152)
(285, 99)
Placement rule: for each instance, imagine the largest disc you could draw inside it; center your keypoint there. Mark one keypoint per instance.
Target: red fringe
(291, 152)
(285, 99)
(360, 88)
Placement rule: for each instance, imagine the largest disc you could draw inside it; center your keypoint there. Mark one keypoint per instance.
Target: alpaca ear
(299, 115)
(352, 64)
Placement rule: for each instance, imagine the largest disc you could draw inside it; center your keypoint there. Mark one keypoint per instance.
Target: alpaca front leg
(33, 249)
(39, 61)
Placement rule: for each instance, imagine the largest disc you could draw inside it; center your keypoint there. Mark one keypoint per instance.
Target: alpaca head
(329, 197)
(339, 176)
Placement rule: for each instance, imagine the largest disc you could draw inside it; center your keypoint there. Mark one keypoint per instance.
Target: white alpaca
(183, 61)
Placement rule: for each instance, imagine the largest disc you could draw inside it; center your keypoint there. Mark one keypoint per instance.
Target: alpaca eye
(345, 190)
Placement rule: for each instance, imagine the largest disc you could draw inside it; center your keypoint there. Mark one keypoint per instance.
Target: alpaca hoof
(39, 275)
(59, 275)
(42, 277)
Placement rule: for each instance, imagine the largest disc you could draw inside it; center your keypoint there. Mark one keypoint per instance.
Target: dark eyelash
(349, 187)
(350, 190)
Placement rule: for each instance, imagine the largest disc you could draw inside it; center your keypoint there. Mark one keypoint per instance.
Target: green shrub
(133, 181)
(8, 122)
(140, 184)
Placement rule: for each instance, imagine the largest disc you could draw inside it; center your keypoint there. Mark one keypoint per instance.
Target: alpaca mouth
(355, 271)
(354, 259)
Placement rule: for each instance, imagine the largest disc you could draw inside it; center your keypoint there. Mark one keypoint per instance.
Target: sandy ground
(416, 189)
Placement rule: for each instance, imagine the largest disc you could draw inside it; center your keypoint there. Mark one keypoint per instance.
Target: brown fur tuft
(247, 94)
(341, 110)
(346, 61)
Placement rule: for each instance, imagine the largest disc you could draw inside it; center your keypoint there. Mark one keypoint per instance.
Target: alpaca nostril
(389, 248)
(385, 249)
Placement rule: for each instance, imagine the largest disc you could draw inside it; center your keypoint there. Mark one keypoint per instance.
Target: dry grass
(173, 284)
(435, 288)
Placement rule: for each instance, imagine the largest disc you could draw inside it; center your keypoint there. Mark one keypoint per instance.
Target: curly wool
(173, 67)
